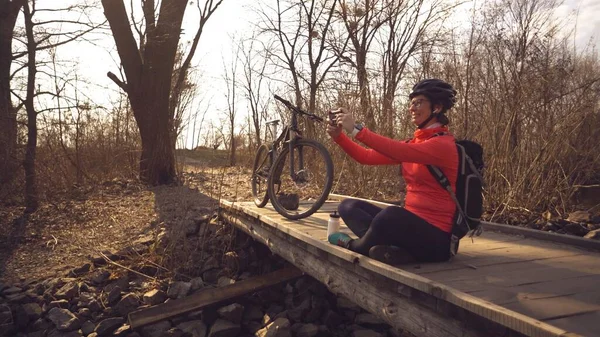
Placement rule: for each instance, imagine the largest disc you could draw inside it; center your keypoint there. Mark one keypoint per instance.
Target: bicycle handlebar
(295, 109)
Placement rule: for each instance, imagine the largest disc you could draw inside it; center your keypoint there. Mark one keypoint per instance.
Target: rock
(108, 325)
(211, 276)
(114, 295)
(63, 319)
(278, 328)
(595, 219)
(87, 328)
(595, 235)
(156, 330)
(579, 216)
(575, 229)
(32, 310)
(195, 328)
(223, 328)
(332, 319)
(154, 297)
(38, 333)
(366, 333)
(122, 282)
(41, 324)
(80, 270)
(84, 299)
(99, 277)
(252, 313)
(57, 333)
(307, 330)
(174, 332)
(196, 283)
(367, 318)
(179, 290)
(123, 330)
(94, 306)
(225, 281)
(11, 291)
(232, 312)
(127, 304)
(84, 313)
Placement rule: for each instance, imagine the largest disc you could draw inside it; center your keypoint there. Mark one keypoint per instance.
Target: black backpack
(469, 190)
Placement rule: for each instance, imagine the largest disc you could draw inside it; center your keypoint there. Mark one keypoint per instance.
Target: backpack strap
(460, 217)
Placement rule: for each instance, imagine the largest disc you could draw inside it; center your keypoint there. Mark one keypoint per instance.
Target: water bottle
(333, 225)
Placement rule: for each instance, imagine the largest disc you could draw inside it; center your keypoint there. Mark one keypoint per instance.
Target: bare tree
(9, 11)
(253, 83)
(362, 20)
(407, 24)
(230, 78)
(149, 71)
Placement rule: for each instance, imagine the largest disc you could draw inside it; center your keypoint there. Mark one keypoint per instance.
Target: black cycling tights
(394, 226)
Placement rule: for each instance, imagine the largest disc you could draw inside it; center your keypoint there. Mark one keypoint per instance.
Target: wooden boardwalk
(499, 285)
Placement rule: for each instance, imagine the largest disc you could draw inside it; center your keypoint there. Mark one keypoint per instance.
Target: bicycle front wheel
(260, 175)
(300, 180)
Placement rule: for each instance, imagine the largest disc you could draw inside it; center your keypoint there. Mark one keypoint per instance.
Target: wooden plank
(588, 323)
(391, 307)
(541, 235)
(538, 290)
(208, 297)
(568, 263)
(558, 307)
(494, 313)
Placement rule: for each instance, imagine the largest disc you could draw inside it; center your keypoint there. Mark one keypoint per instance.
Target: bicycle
(292, 149)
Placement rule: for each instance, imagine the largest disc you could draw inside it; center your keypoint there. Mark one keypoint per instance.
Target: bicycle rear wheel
(260, 175)
(300, 192)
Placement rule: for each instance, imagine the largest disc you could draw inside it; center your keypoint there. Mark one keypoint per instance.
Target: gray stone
(174, 332)
(63, 319)
(11, 291)
(57, 333)
(84, 313)
(232, 312)
(252, 313)
(225, 281)
(99, 277)
(94, 306)
(156, 330)
(84, 299)
(278, 328)
(36, 334)
(195, 328)
(196, 283)
(366, 333)
(41, 324)
(223, 328)
(595, 235)
(179, 289)
(88, 327)
(114, 295)
(368, 318)
(108, 325)
(154, 297)
(579, 216)
(127, 304)
(80, 270)
(32, 310)
(124, 330)
(307, 330)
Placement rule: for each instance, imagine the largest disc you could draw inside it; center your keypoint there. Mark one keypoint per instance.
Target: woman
(421, 230)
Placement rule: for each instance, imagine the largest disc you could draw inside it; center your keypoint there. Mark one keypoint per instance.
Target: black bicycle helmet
(437, 92)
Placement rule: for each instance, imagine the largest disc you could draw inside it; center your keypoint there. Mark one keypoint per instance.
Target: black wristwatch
(357, 128)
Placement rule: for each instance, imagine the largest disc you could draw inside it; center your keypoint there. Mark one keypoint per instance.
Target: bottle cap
(334, 214)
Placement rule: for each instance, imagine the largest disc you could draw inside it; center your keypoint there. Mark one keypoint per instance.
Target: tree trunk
(8, 114)
(31, 195)
(149, 83)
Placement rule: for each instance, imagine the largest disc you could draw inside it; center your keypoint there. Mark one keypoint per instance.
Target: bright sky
(233, 18)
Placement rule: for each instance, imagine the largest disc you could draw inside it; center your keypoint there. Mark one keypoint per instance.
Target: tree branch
(120, 83)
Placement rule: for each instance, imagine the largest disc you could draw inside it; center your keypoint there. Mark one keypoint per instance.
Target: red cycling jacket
(424, 195)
